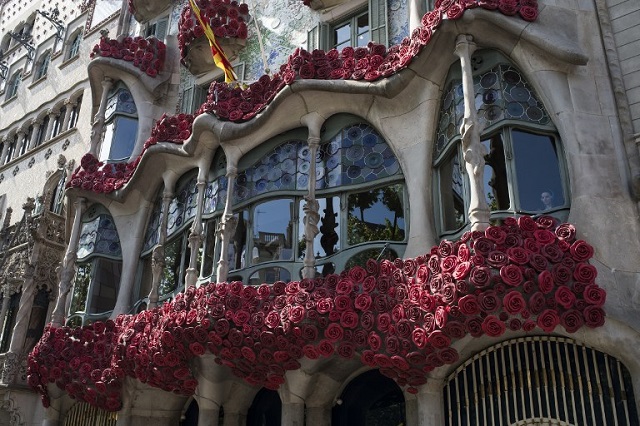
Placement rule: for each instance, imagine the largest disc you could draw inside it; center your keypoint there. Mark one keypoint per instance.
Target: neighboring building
(358, 130)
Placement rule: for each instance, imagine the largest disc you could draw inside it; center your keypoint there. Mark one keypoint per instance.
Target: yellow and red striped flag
(219, 57)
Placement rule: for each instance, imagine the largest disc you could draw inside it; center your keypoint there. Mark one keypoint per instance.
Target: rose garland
(100, 177)
(226, 18)
(234, 104)
(147, 54)
(400, 317)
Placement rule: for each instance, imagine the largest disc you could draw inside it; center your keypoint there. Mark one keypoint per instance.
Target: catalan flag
(219, 57)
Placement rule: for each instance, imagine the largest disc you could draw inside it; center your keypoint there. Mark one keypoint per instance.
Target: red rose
(296, 314)
(581, 251)
(363, 302)
(528, 325)
(432, 19)
(565, 297)
(454, 329)
(492, 326)
(439, 340)
(513, 302)
(571, 320)
(594, 295)
(511, 275)
(449, 294)
(488, 301)
(480, 277)
(483, 246)
(529, 13)
(518, 255)
(545, 282)
(345, 286)
(585, 273)
(392, 344)
(474, 326)
(497, 259)
(496, 234)
(548, 320)
(514, 324)
(367, 320)
(383, 321)
(374, 341)
(455, 11)
(536, 303)
(508, 7)
(441, 316)
(469, 305)
(349, 319)
(325, 305)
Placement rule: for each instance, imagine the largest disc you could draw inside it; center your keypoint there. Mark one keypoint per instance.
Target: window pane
(171, 272)
(269, 276)
(538, 171)
(126, 131)
(362, 28)
(327, 242)
(451, 193)
(237, 245)
(80, 287)
(496, 189)
(361, 258)
(342, 36)
(105, 285)
(376, 215)
(208, 265)
(272, 231)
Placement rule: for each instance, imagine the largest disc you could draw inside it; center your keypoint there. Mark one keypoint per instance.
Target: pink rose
(529, 13)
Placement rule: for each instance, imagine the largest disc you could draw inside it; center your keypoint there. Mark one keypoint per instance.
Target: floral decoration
(402, 317)
(147, 54)
(100, 177)
(226, 18)
(232, 103)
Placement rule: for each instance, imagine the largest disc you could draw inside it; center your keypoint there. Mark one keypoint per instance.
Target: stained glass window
(99, 236)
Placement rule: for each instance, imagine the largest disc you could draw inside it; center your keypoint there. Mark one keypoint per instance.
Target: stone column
(319, 416)
(431, 403)
(157, 257)
(21, 136)
(6, 298)
(293, 412)
(98, 120)
(5, 148)
(52, 121)
(472, 149)
(34, 135)
(196, 235)
(311, 215)
(68, 268)
(227, 229)
(68, 106)
(232, 418)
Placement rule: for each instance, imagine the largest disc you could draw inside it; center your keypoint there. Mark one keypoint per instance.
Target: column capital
(464, 46)
(107, 82)
(232, 171)
(36, 121)
(313, 141)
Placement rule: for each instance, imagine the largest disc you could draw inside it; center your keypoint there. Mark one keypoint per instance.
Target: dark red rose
(474, 326)
(455, 12)
(383, 321)
(581, 251)
(454, 329)
(538, 262)
(548, 320)
(529, 13)
(528, 325)
(545, 282)
(492, 326)
(514, 324)
(349, 319)
(374, 341)
(325, 348)
(511, 275)
(514, 303)
(585, 273)
(565, 297)
(480, 277)
(489, 301)
(469, 305)
(439, 340)
(483, 246)
(367, 320)
(566, 232)
(392, 345)
(497, 259)
(518, 255)
(571, 320)
(432, 19)
(594, 295)
(526, 223)
(537, 302)
(363, 302)
(496, 234)
(449, 294)
(441, 316)
(508, 7)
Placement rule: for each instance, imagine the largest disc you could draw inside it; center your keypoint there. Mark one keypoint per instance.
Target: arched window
(11, 149)
(540, 378)
(75, 112)
(524, 170)
(370, 399)
(9, 321)
(99, 266)
(43, 65)
(266, 409)
(13, 85)
(121, 126)
(74, 46)
(359, 188)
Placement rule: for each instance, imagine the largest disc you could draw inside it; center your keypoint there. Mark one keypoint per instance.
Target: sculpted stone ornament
(226, 230)
(311, 219)
(157, 266)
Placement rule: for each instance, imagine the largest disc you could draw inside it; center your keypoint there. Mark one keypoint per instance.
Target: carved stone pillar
(68, 105)
(35, 123)
(23, 315)
(98, 120)
(5, 149)
(431, 403)
(311, 215)
(227, 227)
(157, 257)
(196, 235)
(472, 149)
(67, 269)
(6, 298)
(20, 142)
(319, 416)
(52, 121)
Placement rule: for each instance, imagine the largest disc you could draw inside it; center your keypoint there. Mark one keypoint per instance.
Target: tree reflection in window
(273, 231)
(80, 288)
(327, 241)
(376, 215)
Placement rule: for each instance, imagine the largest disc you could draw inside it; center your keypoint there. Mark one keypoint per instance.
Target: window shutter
(239, 70)
(161, 28)
(378, 21)
(199, 96)
(318, 38)
(187, 85)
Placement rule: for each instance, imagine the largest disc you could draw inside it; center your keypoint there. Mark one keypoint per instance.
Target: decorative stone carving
(8, 406)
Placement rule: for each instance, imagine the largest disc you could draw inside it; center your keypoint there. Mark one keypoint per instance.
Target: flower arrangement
(147, 54)
(401, 317)
(226, 18)
(363, 63)
(99, 177)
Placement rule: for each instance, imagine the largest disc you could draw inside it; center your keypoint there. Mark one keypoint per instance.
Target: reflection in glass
(171, 274)
(451, 193)
(209, 249)
(537, 171)
(119, 139)
(327, 242)
(105, 285)
(269, 276)
(80, 288)
(376, 215)
(272, 231)
(496, 188)
(379, 254)
(237, 245)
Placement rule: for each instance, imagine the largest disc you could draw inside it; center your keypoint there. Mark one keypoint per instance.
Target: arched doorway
(370, 399)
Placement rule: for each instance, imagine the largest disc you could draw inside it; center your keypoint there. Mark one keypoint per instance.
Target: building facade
(402, 212)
